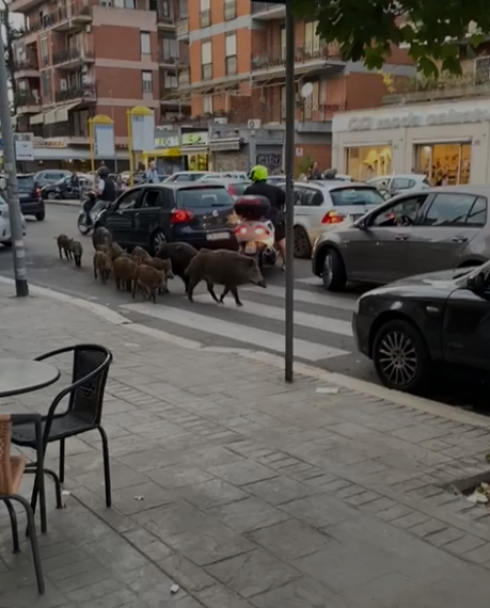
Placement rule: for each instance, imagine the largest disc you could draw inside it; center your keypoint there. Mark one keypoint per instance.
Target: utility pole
(114, 131)
(18, 249)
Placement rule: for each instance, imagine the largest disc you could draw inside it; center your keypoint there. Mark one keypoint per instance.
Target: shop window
(444, 164)
(366, 162)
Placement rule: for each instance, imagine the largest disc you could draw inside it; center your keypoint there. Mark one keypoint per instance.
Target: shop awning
(37, 119)
(186, 150)
(62, 113)
(222, 145)
(163, 153)
(50, 117)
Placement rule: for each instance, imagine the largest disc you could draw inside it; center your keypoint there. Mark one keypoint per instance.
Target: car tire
(7, 243)
(157, 238)
(41, 216)
(401, 357)
(51, 196)
(333, 272)
(302, 244)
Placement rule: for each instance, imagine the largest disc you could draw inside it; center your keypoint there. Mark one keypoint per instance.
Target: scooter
(95, 214)
(255, 235)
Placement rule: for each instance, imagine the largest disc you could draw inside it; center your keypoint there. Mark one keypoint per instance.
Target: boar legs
(234, 292)
(210, 287)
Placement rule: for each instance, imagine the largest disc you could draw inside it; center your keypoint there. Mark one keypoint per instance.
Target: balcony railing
(87, 92)
(169, 59)
(182, 27)
(277, 57)
(27, 65)
(27, 98)
(205, 18)
(71, 55)
(230, 10)
(184, 78)
(76, 12)
(58, 130)
(264, 7)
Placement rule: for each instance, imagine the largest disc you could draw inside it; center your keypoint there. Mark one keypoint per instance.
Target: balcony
(61, 130)
(168, 60)
(70, 58)
(28, 68)
(28, 102)
(268, 11)
(182, 28)
(68, 18)
(184, 78)
(85, 92)
(205, 18)
(165, 20)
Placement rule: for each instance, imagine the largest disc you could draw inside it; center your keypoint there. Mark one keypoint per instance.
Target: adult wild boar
(223, 267)
(123, 269)
(180, 254)
(101, 238)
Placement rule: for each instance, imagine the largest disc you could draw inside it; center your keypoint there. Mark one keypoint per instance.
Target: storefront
(195, 147)
(166, 153)
(449, 142)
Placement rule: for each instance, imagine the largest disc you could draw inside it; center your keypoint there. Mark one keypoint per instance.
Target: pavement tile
(185, 573)
(248, 514)
(218, 596)
(320, 510)
(300, 593)
(173, 477)
(253, 573)
(242, 472)
(280, 490)
(213, 493)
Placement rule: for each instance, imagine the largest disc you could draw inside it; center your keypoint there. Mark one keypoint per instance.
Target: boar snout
(262, 283)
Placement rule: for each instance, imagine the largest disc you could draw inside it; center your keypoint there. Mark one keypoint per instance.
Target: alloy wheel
(158, 240)
(328, 269)
(397, 358)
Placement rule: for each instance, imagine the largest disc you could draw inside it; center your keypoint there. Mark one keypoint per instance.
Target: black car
(199, 214)
(64, 189)
(31, 200)
(438, 317)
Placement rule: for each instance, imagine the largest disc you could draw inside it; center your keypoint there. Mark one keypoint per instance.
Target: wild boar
(164, 266)
(102, 265)
(116, 251)
(76, 250)
(123, 269)
(101, 237)
(223, 267)
(139, 254)
(180, 255)
(148, 280)
(64, 243)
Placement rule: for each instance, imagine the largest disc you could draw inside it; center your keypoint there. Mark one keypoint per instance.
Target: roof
(179, 185)
(334, 184)
(465, 189)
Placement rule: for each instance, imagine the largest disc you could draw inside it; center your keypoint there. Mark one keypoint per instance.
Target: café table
(20, 376)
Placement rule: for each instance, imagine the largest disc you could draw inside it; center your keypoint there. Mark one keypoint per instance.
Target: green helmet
(259, 173)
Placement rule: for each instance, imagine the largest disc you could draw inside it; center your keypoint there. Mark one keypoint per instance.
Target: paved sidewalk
(244, 491)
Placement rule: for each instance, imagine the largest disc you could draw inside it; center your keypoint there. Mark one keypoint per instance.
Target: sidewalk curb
(372, 390)
(64, 203)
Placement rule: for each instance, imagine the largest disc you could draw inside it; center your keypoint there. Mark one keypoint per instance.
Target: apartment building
(237, 74)
(80, 58)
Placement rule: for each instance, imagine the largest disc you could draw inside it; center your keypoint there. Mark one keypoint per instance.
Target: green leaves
(366, 31)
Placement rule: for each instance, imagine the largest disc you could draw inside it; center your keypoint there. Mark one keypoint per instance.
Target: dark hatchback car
(31, 200)
(199, 214)
(438, 317)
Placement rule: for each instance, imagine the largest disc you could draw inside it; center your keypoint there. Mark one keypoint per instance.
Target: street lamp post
(18, 250)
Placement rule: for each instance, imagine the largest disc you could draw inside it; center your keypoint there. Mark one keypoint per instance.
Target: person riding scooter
(277, 199)
(105, 190)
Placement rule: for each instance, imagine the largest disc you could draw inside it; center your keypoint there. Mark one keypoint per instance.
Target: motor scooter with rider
(255, 233)
(96, 202)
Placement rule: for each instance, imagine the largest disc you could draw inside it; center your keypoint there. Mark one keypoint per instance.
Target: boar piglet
(180, 255)
(102, 265)
(139, 254)
(116, 251)
(148, 280)
(223, 267)
(76, 250)
(123, 269)
(64, 244)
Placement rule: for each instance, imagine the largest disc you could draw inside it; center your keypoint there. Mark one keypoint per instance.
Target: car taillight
(241, 230)
(232, 191)
(179, 216)
(332, 217)
(38, 191)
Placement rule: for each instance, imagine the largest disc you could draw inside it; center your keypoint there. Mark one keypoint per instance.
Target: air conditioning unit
(221, 120)
(63, 84)
(254, 123)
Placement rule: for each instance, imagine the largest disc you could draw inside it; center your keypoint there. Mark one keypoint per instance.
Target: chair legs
(107, 466)
(62, 461)
(13, 524)
(31, 527)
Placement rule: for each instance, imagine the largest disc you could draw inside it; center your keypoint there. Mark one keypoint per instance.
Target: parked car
(202, 215)
(65, 190)
(50, 176)
(31, 202)
(5, 231)
(440, 317)
(276, 180)
(235, 187)
(190, 176)
(401, 183)
(321, 206)
(426, 231)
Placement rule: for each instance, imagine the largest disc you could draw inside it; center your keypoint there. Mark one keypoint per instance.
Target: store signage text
(453, 117)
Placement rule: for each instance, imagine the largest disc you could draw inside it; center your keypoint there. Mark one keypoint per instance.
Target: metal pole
(113, 130)
(289, 170)
(252, 150)
(18, 250)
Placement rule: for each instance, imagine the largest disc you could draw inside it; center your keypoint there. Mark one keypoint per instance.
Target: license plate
(218, 236)
(251, 247)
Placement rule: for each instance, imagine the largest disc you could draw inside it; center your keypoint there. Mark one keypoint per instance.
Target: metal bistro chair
(84, 412)
(11, 472)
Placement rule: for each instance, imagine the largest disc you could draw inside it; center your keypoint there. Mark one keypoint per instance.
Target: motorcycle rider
(105, 190)
(277, 199)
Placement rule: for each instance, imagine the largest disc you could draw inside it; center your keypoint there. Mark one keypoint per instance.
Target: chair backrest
(5, 465)
(86, 400)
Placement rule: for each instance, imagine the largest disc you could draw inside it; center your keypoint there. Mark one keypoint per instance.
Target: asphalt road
(322, 321)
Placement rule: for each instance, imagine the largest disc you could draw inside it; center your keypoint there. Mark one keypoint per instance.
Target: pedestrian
(314, 171)
(151, 174)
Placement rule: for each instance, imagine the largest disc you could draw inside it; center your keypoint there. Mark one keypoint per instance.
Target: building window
(145, 40)
(170, 50)
(207, 60)
(147, 82)
(283, 103)
(46, 86)
(170, 82)
(366, 162)
(230, 9)
(444, 164)
(207, 104)
(283, 43)
(120, 3)
(231, 56)
(205, 13)
(312, 40)
(312, 102)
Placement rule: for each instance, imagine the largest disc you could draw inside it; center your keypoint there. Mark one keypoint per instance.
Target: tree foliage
(365, 30)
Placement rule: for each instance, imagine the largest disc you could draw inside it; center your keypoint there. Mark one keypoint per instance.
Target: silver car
(400, 183)
(5, 231)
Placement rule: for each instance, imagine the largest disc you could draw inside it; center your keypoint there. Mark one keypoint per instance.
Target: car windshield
(25, 183)
(200, 197)
(356, 196)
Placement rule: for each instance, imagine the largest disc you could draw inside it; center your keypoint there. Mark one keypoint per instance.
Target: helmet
(103, 172)
(259, 173)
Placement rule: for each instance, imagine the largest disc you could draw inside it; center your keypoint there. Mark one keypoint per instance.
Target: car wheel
(40, 217)
(51, 196)
(333, 274)
(400, 356)
(157, 239)
(7, 243)
(82, 226)
(302, 245)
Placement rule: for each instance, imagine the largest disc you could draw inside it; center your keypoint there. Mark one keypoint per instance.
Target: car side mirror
(362, 225)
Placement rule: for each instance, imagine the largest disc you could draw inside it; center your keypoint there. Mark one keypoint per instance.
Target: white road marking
(319, 322)
(309, 351)
(307, 297)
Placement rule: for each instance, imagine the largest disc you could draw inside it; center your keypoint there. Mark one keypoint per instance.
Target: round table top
(18, 376)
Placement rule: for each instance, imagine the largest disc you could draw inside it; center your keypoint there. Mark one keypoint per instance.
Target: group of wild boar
(138, 271)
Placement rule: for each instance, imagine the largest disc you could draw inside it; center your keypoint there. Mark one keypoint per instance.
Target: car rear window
(356, 196)
(201, 197)
(25, 183)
